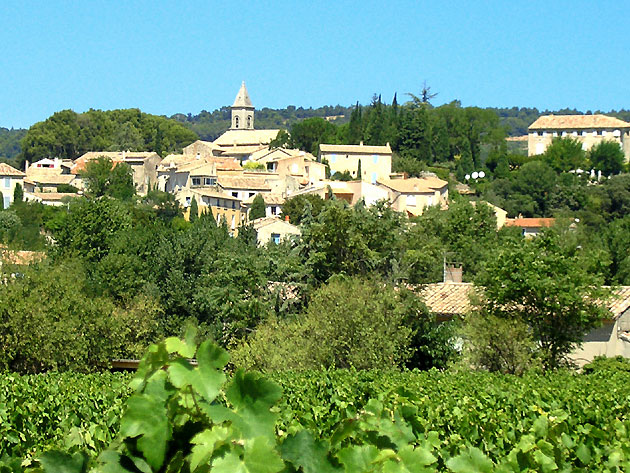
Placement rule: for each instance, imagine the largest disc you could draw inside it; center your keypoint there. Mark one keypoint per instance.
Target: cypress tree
(194, 211)
(359, 176)
(258, 209)
(18, 193)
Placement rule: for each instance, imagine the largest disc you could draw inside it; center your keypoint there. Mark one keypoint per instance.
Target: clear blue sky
(184, 56)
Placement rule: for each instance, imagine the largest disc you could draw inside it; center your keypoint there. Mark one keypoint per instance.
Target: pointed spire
(242, 98)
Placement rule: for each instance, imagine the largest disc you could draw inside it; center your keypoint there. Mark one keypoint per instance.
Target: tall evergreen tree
(258, 209)
(355, 131)
(18, 193)
(194, 211)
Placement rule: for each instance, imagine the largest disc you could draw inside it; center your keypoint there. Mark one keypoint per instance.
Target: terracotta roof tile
(243, 183)
(359, 149)
(7, 170)
(448, 298)
(414, 185)
(530, 222)
(558, 122)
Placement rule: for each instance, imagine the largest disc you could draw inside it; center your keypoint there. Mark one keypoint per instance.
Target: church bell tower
(242, 111)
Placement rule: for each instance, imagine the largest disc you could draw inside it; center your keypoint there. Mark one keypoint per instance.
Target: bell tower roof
(242, 99)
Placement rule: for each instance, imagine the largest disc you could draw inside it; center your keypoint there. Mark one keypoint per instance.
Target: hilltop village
(409, 252)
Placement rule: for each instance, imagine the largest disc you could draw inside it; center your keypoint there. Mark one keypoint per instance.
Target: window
(574, 133)
(411, 200)
(196, 181)
(271, 167)
(604, 132)
(373, 178)
(275, 238)
(274, 210)
(234, 194)
(333, 158)
(233, 204)
(617, 133)
(540, 148)
(544, 133)
(594, 132)
(7, 183)
(235, 122)
(187, 201)
(375, 159)
(583, 133)
(555, 133)
(210, 181)
(233, 223)
(252, 194)
(7, 201)
(249, 121)
(564, 133)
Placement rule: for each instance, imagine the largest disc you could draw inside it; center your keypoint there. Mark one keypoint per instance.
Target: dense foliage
(186, 418)
(68, 134)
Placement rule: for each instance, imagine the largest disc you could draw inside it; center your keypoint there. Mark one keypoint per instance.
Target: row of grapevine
(192, 419)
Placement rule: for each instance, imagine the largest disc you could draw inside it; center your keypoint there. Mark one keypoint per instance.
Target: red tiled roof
(530, 222)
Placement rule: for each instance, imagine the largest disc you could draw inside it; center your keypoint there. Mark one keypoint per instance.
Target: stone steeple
(242, 111)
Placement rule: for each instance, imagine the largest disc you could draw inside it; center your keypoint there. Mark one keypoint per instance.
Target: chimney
(123, 154)
(361, 143)
(453, 272)
(26, 166)
(287, 219)
(56, 163)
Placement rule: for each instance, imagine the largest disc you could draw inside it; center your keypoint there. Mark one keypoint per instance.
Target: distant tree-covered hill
(10, 144)
(209, 126)
(68, 134)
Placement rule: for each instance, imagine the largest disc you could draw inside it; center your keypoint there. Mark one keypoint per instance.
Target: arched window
(235, 122)
(249, 121)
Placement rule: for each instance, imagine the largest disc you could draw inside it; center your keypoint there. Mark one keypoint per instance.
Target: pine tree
(194, 211)
(258, 209)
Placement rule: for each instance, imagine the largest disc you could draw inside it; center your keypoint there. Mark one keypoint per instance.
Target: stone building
(588, 129)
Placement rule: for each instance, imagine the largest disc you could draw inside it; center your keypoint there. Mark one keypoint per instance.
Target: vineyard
(194, 419)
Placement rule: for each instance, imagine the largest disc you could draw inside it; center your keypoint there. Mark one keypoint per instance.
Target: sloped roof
(414, 185)
(242, 98)
(270, 199)
(530, 222)
(359, 149)
(448, 298)
(7, 170)
(53, 196)
(42, 176)
(238, 182)
(265, 221)
(619, 302)
(245, 137)
(577, 122)
(454, 298)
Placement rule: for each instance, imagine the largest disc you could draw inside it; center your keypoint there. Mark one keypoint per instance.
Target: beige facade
(414, 195)
(273, 204)
(376, 161)
(274, 230)
(143, 164)
(9, 178)
(224, 207)
(613, 337)
(590, 130)
(292, 162)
